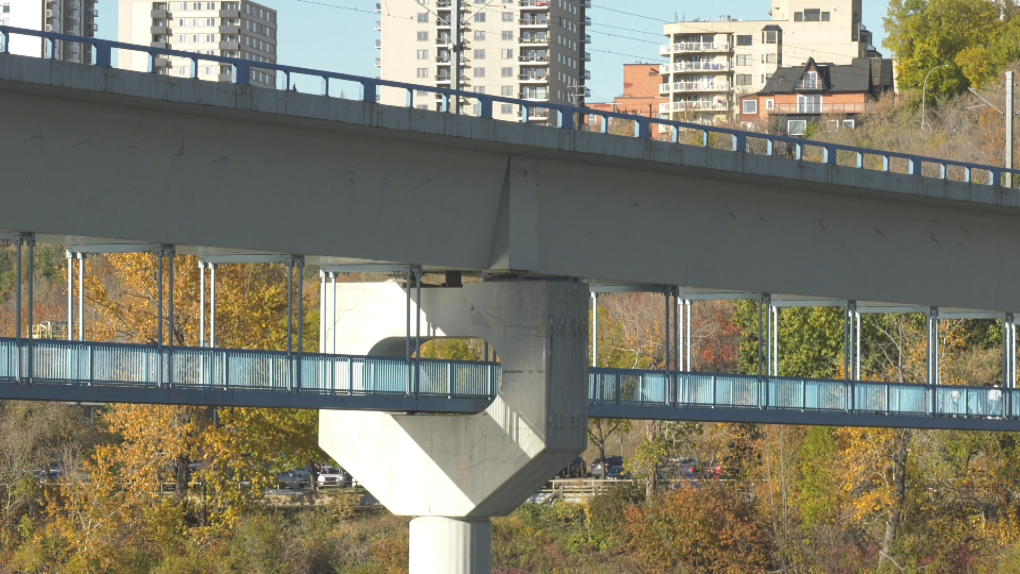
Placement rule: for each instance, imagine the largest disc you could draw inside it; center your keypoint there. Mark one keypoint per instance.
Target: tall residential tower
(713, 63)
(529, 49)
(235, 29)
(74, 17)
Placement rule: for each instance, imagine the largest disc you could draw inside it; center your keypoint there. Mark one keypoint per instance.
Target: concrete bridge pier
(452, 473)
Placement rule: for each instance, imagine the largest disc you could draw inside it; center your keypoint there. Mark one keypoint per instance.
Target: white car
(332, 477)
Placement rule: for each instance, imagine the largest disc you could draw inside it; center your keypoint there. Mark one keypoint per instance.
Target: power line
(351, 9)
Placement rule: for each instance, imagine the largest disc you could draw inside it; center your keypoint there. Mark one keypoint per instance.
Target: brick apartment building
(640, 94)
(822, 93)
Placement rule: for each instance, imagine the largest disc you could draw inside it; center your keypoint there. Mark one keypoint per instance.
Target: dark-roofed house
(806, 93)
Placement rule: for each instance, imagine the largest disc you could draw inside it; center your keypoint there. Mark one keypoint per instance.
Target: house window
(423, 72)
(507, 35)
(480, 89)
(848, 124)
(796, 127)
(798, 16)
(479, 54)
(423, 54)
(507, 54)
(506, 108)
(479, 72)
(743, 79)
(810, 81)
(811, 104)
(508, 16)
(480, 17)
(743, 40)
(744, 59)
(831, 125)
(480, 35)
(750, 107)
(423, 36)
(770, 58)
(825, 16)
(593, 120)
(770, 104)
(768, 37)
(423, 18)
(506, 91)
(507, 72)
(812, 15)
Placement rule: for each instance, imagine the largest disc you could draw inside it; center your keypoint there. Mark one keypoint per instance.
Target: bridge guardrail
(566, 116)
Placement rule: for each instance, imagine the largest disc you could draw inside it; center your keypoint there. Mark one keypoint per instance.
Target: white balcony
(533, 78)
(534, 41)
(533, 22)
(702, 47)
(680, 67)
(533, 4)
(694, 87)
(694, 106)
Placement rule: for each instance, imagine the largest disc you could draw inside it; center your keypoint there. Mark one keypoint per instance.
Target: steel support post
(332, 314)
(676, 329)
(407, 336)
(322, 311)
(212, 305)
(1008, 362)
(595, 329)
(1010, 123)
(81, 296)
(70, 295)
(690, 310)
(301, 318)
(290, 324)
(31, 304)
(417, 331)
(201, 303)
(857, 345)
(775, 341)
(763, 301)
(669, 348)
(17, 303)
(171, 254)
(933, 356)
(849, 348)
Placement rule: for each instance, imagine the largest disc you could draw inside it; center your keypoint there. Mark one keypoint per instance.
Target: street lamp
(924, 88)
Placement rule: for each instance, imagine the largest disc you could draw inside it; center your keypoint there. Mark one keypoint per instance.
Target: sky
(339, 35)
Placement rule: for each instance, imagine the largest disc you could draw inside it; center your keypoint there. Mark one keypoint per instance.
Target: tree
(601, 430)
(923, 34)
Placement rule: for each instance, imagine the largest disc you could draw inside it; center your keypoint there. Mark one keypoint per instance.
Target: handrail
(565, 117)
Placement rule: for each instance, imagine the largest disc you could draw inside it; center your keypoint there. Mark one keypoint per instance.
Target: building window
(825, 16)
(743, 40)
(423, 36)
(811, 104)
(848, 124)
(769, 58)
(770, 104)
(744, 59)
(508, 35)
(506, 108)
(480, 90)
(831, 125)
(423, 18)
(507, 54)
(480, 36)
(506, 91)
(507, 72)
(812, 15)
(6, 8)
(423, 54)
(422, 93)
(768, 37)
(479, 72)
(480, 17)
(796, 127)
(508, 16)
(750, 107)
(479, 54)
(423, 72)
(798, 16)
(743, 79)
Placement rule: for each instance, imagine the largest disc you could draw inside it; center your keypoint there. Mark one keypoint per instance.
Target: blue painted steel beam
(276, 399)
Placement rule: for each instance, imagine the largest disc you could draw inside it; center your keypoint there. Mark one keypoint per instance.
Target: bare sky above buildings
(339, 35)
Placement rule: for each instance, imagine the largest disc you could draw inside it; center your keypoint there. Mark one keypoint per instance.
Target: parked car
(611, 461)
(294, 480)
(576, 469)
(332, 477)
(617, 473)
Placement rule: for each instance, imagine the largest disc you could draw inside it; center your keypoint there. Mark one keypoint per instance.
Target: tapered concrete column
(451, 545)
(457, 471)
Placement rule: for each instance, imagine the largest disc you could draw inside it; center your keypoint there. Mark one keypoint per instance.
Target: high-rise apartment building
(713, 63)
(74, 17)
(528, 49)
(234, 29)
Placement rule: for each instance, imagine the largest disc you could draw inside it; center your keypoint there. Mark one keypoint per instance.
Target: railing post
(915, 165)
(860, 160)
(368, 91)
(485, 108)
(226, 371)
(829, 154)
(798, 151)
(92, 364)
(642, 129)
(616, 377)
(242, 73)
(103, 55)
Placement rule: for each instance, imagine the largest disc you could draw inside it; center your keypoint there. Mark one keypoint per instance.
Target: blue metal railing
(144, 366)
(560, 115)
(635, 388)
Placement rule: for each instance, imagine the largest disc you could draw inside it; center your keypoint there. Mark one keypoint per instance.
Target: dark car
(611, 461)
(576, 469)
(294, 480)
(617, 473)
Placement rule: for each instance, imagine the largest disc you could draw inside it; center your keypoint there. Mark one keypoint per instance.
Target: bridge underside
(214, 168)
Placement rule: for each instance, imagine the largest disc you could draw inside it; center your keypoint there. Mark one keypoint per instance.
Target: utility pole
(1010, 121)
(458, 52)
